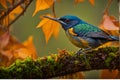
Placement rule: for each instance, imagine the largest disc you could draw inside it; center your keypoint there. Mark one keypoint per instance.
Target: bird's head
(67, 21)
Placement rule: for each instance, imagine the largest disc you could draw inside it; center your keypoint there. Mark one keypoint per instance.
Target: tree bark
(63, 63)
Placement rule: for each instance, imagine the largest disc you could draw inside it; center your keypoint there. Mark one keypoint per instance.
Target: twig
(53, 9)
(107, 6)
(11, 9)
(20, 14)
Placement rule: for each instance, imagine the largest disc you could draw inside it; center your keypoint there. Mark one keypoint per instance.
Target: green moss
(113, 55)
(110, 58)
(81, 56)
(51, 65)
(50, 60)
(76, 62)
(110, 49)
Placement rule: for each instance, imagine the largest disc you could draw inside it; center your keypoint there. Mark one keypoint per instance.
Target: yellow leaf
(49, 27)
(92, 2)
(44, 21)
(42, 4)
(56, 30)
(3, 3)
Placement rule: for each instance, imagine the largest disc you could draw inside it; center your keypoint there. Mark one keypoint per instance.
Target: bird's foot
(82, 52)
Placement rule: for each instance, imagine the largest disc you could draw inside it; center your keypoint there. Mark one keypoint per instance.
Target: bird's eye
(67, 20)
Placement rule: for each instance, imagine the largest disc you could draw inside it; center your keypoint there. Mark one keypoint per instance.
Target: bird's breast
(77, 40)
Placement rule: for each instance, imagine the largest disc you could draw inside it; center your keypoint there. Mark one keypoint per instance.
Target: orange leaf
(49, 27)
(3, 3)
(4, 39)
(110, 25)
(106, 74)
(92, 2)
(16, 50)
(42, 4)
(78, 1)
(30, 46)
(56, 30)
(24, 50)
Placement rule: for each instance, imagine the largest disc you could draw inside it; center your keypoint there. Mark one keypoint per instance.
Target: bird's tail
(115, 38)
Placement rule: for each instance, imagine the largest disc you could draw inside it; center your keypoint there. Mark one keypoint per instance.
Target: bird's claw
(80, 52)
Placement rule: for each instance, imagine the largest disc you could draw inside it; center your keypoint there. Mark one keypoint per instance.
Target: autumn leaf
(92, 2)
(110, 25)
(30, 46)
(106, 74)
(78, 1)
(42, 4)
(3, 3)
(49, 27)
(16, 50)
(4, 39)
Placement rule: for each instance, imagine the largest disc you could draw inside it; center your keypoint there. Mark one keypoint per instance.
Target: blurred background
(26, 25)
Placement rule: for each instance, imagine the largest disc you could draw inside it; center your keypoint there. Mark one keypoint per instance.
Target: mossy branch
(63, 63)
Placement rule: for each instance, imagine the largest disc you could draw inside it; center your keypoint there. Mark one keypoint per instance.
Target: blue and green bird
(83, 34)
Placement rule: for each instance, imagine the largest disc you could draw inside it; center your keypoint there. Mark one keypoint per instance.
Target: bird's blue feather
(83, 34)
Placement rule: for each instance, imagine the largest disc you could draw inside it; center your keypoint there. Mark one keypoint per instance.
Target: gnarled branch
(63, 63)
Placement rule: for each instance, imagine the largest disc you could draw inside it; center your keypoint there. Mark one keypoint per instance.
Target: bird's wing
(101, 35)
(87, 30)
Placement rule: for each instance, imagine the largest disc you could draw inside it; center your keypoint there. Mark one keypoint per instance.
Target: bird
(82, 34)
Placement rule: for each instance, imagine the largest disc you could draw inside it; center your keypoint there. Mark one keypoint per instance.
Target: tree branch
(107, 6)
(23, 3)
(11, 9)
(53, 9)
(20, 13)
(63, 63)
